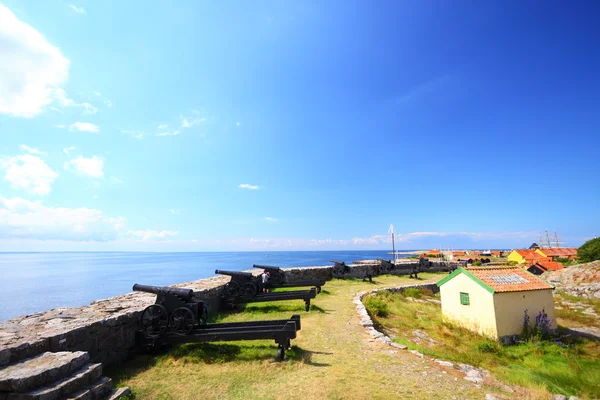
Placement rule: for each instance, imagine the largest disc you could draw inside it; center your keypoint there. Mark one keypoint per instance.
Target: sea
(33, 282)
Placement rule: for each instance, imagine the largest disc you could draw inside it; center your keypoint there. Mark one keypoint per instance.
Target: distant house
(539, 267)
(497, 253)
(558, 252)
(458, 253)
(534, 246)
(486, 253)
(520, 255)
(492, 301)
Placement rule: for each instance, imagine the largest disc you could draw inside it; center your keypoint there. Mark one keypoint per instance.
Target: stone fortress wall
(105, 329)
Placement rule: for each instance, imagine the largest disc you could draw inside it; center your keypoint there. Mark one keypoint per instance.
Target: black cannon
(385, 266)
(242, 284)
(277, 279)
(175, 310)
(339, 268)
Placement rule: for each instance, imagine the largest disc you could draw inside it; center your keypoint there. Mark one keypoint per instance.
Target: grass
(574, 315)
(571, 370)
(330, 359)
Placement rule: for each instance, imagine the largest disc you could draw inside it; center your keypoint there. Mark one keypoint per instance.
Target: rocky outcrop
(578, 280)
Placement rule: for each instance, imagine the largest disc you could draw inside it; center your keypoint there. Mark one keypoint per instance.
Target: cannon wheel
(231, 289)
(280, 353)
(248, 290)
(181, 321)
(154, 320)
(203, 317)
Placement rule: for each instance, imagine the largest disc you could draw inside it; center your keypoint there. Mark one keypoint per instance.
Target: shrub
(565, 261)
(540, 329)
(489, 346)
(477, 263)
(589, 251)
(415, 293)
(377, 306)
(512, 263)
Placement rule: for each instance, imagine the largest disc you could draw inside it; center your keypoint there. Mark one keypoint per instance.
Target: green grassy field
(570, 370)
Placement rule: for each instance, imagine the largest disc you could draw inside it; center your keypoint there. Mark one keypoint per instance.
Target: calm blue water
(32, 282)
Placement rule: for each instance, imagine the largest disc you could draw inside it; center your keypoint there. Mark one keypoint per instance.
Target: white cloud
(95, 196)
(162, 126)
(168, 133)
(115, 180)
(78, 10)
(29, 173)
(69, 149)
(173, 211)
(31, 150)
(92, 167)
(135, 134)
(108, 103)
(84, 127)
(61, 97)
(30, 67)
(60, 126)
(149, 234)
(271, 219)
(238, 123)
(24, 219)
(188, 123)
(248, 186)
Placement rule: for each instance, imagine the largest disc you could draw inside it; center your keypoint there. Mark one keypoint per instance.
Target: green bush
(415, 293)
(489, 346)
(512, 263)
(477, 263)
(377, 306)
(565, 261)
(590, 251)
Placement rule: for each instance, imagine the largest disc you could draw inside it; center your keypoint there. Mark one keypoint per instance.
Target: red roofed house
(558, 252)
(492, 301)
(539, 267)
(458, 253)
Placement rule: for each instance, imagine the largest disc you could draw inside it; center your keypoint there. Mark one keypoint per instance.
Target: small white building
(492, 301)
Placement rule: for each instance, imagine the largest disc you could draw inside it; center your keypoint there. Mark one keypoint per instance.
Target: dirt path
(337, 360)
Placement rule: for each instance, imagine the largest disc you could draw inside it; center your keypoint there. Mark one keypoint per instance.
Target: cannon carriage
(277, 279)
(175, 310)
(177, 317)
(339, 269)
(245, 287)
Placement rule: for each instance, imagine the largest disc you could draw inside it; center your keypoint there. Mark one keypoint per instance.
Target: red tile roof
(559, 251)
(512, 279)
(525, 253)
(549, 265)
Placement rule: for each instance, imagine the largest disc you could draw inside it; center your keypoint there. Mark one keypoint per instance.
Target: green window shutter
(464, 299)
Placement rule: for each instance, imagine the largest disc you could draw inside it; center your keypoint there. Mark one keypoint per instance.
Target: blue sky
(309, 125)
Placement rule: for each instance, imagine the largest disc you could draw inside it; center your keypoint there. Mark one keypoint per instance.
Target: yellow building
(520, 256)
(492, 301)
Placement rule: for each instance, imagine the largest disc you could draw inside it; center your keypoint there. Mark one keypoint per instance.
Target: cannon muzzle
(234, 273)
(185, 294)
(266, 267)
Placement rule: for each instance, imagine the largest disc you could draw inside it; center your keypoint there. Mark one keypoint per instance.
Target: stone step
(101, 388)
(83, 394)
(63, 387)
(117, 393)
(40, 370)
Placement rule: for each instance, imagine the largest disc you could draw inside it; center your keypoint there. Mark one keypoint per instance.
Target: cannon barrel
(185, 294)
(266, 267)
(234, 273)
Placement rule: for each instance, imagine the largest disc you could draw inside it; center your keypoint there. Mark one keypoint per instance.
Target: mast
(391, 230)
